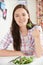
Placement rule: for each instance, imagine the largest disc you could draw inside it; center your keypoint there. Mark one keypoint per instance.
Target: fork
(15, 59)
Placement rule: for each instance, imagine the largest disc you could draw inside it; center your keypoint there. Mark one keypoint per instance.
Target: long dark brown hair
(15, 28)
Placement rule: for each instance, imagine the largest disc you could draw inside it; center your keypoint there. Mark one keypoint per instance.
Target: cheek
(26, 19)
(17, 22)
(16, 19)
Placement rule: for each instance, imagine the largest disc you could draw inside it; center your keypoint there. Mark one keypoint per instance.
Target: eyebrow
(18, 13)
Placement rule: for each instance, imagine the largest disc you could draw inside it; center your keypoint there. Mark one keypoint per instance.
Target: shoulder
(38, 27)
(8, 37)
(6, 40)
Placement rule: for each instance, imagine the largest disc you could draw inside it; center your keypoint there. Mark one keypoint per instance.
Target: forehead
(20, 10)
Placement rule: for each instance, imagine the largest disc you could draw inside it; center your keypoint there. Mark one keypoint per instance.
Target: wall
(32, 10)
(5, 24)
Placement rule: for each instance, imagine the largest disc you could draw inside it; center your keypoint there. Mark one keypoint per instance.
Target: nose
(20, 17)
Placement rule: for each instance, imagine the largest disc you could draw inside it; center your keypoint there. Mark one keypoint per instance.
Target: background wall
(10, 4)
(5, 24)
(31, 4)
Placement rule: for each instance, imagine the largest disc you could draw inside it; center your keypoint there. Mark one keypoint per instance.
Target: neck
(23, 30)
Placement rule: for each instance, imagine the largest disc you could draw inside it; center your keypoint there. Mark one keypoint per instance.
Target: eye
(23, 14)
(17, 15)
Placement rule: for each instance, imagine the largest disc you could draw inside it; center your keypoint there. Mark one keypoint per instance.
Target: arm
(10, 53)
(4, 43)
(38, 47)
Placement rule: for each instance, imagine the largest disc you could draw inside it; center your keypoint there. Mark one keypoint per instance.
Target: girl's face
(21, 17)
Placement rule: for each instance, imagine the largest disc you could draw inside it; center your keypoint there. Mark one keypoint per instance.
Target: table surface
(6, 60)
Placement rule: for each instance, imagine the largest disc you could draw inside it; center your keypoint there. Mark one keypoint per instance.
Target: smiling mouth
(21, 22)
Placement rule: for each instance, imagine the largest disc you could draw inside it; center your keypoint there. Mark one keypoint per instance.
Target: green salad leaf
(23, 60)
(29, 25)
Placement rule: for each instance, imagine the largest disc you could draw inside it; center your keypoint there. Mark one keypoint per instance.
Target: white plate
(5, 61)
(37, 61)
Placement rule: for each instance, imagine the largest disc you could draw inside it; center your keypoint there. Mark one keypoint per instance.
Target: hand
(19, 53)
(38, 48)
(36, 33)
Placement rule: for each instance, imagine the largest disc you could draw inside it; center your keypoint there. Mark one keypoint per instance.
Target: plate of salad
(22, 60)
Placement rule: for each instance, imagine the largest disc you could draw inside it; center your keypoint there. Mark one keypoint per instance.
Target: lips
(21, 21)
